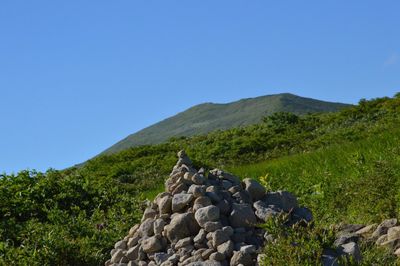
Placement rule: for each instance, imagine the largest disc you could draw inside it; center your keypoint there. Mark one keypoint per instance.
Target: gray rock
(207, 214)
(263, 212)
(165, 205)
(352, 250)
(255, 189)
(122, 244)
(248, 249)
(212, 226)
(181, 226)
(180, 201)
(133, 253)
(218, 237)
(383, 228)
(152, 244)
(196, 190)
(149, 212)
(160, 257)
(205, 263)
(117, 256)
(213, 196)
(226, 248)
(200, 237)
(224, 207)
(393, 233)
(158, 226)
(133, 240)
(240, 257)
(282, 199)
(147, 228)
(228, 230)
(217, 256)
(201, 202)
(242, 215)
(346, 238)
(198, 179)
(183, 242)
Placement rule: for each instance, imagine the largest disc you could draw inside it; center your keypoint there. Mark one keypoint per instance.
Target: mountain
(206, 117)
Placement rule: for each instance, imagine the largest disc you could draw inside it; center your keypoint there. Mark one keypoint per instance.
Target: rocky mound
(204, 220)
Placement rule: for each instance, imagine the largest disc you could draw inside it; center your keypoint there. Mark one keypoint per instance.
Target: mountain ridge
(206, 117)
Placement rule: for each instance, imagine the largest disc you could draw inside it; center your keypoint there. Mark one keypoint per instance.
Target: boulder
(207, 214)
(242, 215)
(181, 226)
(255, 189)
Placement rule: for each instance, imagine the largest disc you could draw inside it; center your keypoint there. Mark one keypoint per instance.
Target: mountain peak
(206, 117)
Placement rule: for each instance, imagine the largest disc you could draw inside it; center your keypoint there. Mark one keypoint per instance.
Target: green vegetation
(208, 117)
(344, 166)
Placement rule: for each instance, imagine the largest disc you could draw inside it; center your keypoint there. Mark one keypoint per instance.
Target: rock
(196, 190)
(201, 202)
(346, 238)
(329, 258)
(217, 256)
(120, 245)
(133, 241)
(149, 212)
(205, 263)
(160, 257)
(133, 230)
(248, 249)
(224, 207)
(165, 205)
(181, 226)
(198, 179)
(255, 189)
(158, 226)
(180, 201)
(240, 257)
(282, 199)
(152, 244)
(147, 228)
(382, 239)
(183, 242)
(242, 215)
(349, 228)
(133, 253)
(263, 212)
(218, 237)
(212, 226)
(366, 230)
(117, 256)
(200, 237)
(392, 244)
(397, 252)
(207, 214)
(352, 250)
(383, 228)
(226, 248)
(393, 233)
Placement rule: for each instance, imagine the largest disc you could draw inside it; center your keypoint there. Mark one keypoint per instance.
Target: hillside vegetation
(343, 165)
(208, 117)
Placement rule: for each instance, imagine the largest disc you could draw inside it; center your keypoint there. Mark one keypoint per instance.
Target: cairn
(205, 219)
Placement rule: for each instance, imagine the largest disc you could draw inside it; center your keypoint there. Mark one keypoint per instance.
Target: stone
(248, 249)
(121, 245)
(160, 257)
(180, 201)
(165, 205)
(217, 256)
(183, 242)
(226, 248)
(133, 240)
(207, 214)
(133, 230)
(133, 253)
(212, 226)
(117, 256)
(382, 239)
(158, 226)
(346, 238)
(366, 230)
(383, 228)
(201, 202)
(200, 237)
(181, 226)
(147, 227)
(228, 230)
(282, 199)
(240, 257)
(224, 207)
(255, 189)
(149, 212)
(263, 211)
(352, 249)
(242, 215)
(393, 233)
(152, 244)
(218, 237)
(397, 252)
(198, 179)
(196, 190)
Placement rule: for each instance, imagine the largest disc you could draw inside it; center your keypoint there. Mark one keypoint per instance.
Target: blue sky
(78, 76)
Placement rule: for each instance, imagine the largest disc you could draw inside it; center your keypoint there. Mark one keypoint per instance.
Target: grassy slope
(207, 117)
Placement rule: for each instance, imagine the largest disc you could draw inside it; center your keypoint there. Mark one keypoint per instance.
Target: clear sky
(78, 76)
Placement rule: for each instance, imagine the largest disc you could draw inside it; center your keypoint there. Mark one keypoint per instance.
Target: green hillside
(207, 117)
(344, 166)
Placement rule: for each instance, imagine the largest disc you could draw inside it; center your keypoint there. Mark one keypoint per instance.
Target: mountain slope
(207, 117)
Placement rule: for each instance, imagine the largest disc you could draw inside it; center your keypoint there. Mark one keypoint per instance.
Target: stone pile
(204, 219)
(386, 234)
